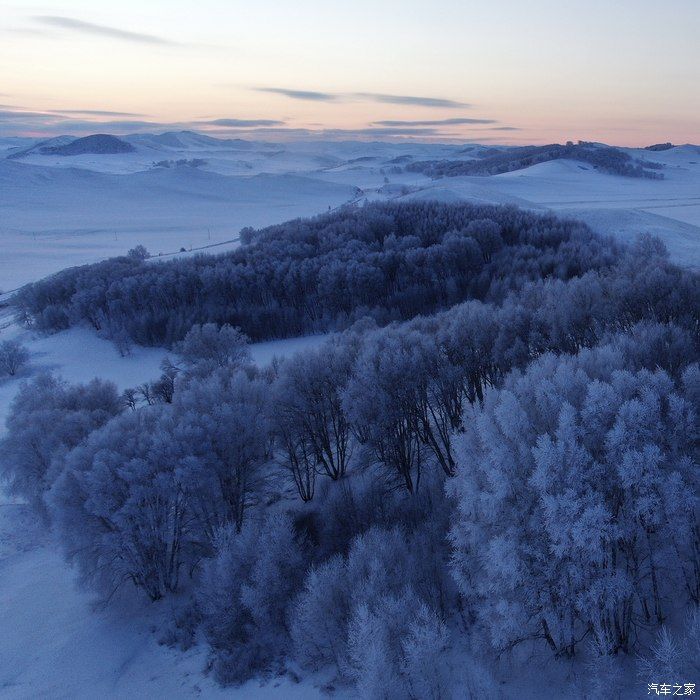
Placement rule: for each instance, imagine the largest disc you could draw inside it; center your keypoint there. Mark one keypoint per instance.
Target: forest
(493, 457)
(607, 159)
(388, 262)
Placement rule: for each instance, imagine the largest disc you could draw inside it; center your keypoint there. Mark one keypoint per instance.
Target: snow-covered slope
(57, 643)
(57, 211)
(623, 206)
(51, 218)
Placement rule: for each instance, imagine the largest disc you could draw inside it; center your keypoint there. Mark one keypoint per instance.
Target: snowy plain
(57, 212)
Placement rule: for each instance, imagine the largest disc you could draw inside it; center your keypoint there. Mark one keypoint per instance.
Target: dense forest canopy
(389, 262)
(497, 455)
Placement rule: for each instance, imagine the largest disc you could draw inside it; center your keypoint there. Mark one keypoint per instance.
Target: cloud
(26, 31)
(347, 134)
(433, 122)
(18, 122)
(382, 98)
(242, 123)
(45, 124)
(79, 121)
(410, 100)
(382, 131)
(300, 94)
(447, 122)
(15, 115)
(120, 125)
(94, 112)
(78, 25)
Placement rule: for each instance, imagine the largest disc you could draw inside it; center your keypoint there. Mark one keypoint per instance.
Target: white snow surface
(56, 642)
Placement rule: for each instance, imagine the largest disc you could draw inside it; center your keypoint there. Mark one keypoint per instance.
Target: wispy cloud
(381, 131)
(17, 115)
(94, 112)
(310, 95)
(349, 134)
(79, 122)
(382, 98)
(77, 25)
(433, 122)
(19, 122)
(115, 125)
(410, 100)
(415, 135)
(26, 31)
(54, 122)
(242, 123)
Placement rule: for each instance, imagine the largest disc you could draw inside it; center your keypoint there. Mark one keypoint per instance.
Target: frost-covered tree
(244, 594)
(320, 614)
(399, 648)
(672, 654)
(381, 402)
(576, 503)
(47, 418)
(311, 428)
(222, 431)
(13, 357)
(123, 512)
(143, 497)
(208, 347)
(379, 563)
(139, 252)
(297, 456)
(404, 400)
(164, 387)
(374, 646)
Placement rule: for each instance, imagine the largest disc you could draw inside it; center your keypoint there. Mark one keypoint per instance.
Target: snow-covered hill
(622, 206)
(57, 217)
(187, 190)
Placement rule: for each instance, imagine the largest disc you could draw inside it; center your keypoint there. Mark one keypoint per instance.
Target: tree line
(497, 161)
(388, 262)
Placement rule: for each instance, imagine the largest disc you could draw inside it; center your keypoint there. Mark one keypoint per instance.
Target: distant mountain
(35, 146)
(101, 144)
(184, 140)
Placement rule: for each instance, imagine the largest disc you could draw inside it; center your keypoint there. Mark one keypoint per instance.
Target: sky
(490, 71)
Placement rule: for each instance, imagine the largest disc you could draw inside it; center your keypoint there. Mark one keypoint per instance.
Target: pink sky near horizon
(544, 72)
